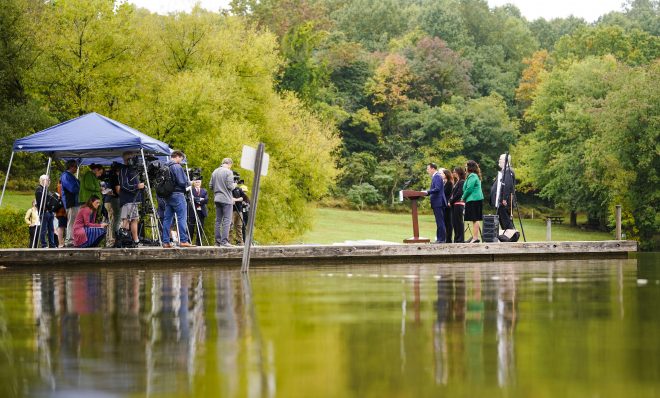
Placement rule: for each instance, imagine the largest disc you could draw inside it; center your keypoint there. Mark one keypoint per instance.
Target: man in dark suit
(200, 198)
(438, 201)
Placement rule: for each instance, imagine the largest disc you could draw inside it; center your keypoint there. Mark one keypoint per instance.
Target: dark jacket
(201, 199)
(507, 188)
(456, 192)
(437, 192)
(448, 188)
(181, 181)
(128, 182)
(37, 195)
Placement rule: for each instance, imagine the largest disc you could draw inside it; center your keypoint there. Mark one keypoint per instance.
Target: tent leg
(42, 208)
(151, 198)
(11, 159)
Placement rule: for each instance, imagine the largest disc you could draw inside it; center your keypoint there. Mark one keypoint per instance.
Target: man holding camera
(130, 195)
(222, 184)
(46, 227)
(200, 199)
(175, 204)
(236, 234)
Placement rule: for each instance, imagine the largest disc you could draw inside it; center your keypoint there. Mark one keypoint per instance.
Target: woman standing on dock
(473, 198)
(87, 233)
(457, 205)
(448, 179)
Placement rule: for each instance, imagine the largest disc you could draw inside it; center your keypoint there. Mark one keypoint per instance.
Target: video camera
(196, 174)
(238, 179)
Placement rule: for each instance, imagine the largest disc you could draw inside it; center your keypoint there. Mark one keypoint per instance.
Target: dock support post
(548, 229)
(252, 214)
(618, 222)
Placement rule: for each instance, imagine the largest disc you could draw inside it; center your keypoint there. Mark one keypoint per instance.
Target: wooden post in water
(548, 229)
(245, 267)
(618, 222)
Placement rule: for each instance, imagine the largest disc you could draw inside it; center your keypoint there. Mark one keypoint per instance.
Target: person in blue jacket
(70, 191)
(438, 201)
(176, 202)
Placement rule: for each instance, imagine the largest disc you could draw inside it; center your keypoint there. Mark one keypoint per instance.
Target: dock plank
(322, 254)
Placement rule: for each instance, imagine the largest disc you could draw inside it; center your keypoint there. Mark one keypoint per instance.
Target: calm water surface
(535, 329)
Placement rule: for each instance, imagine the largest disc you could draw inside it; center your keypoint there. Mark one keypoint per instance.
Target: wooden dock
(320, 254)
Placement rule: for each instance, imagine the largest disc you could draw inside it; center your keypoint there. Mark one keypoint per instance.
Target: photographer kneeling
(176, 202)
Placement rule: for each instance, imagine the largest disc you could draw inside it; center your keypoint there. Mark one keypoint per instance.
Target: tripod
(507, 169)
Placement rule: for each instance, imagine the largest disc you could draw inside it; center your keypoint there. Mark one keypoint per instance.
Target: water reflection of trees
(157, 332)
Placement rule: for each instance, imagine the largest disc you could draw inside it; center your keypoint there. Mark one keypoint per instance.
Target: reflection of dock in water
(332, 254)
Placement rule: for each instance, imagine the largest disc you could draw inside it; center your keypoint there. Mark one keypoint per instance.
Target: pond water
(528, 329)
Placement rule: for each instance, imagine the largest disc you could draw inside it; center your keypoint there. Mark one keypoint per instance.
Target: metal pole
(192, 203)
(618, 222)
(42, 207)
(245, 267)
(548, 229)
(11, 159)
(151, 198)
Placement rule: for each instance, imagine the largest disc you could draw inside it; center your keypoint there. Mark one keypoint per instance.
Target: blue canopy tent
(90, 136)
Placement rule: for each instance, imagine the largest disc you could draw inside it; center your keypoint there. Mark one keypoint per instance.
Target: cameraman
(200, 199)
(130, 194)
(175, 204)
(236, 235)
(47, 225)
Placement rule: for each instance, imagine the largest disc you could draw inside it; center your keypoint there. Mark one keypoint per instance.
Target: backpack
(53, 202)
(164, 181)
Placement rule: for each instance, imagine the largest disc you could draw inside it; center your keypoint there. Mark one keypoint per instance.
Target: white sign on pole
(248, 158)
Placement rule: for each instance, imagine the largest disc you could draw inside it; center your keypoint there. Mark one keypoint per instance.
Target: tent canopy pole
(11, 159)
(151, 198)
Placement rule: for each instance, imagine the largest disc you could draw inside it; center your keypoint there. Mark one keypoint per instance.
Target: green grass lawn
(18, 200)
(334, 225)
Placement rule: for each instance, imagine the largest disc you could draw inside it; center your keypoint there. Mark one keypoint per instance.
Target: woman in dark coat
(448, 180)
(457, 205)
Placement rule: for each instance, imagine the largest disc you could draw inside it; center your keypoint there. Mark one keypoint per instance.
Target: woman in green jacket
(90, 183)
(473, 198)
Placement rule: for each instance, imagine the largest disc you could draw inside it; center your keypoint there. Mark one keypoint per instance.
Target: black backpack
(164, 181)
(53, 202)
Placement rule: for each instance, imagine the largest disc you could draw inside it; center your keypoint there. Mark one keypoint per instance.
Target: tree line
(356, 96)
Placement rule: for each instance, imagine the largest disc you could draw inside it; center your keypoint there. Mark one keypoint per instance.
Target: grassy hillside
(333, 225)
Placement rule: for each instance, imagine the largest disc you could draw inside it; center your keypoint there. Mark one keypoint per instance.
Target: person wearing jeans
(176, 204)
(70, 190)
(222, 183)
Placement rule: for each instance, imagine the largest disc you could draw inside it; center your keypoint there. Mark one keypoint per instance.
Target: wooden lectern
(413, 196)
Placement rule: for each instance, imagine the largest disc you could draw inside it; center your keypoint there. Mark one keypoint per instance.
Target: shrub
(13, 230)
(363, 194)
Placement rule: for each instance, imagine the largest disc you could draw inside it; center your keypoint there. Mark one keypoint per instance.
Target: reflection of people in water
(506, 321)
(450, 309)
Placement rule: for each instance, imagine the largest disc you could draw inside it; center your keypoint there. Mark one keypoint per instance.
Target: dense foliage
(364, 90)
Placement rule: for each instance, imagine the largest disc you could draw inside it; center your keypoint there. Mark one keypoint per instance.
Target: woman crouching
(87, 233)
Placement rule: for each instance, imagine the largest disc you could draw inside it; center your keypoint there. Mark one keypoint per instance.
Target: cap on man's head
(70, 163)
(227, 161)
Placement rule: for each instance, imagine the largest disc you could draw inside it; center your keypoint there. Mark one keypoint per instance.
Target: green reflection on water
(541, 329)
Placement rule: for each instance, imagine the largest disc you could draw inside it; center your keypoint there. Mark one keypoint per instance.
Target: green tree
(438, 72)
(554, 155)
(625, 151)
